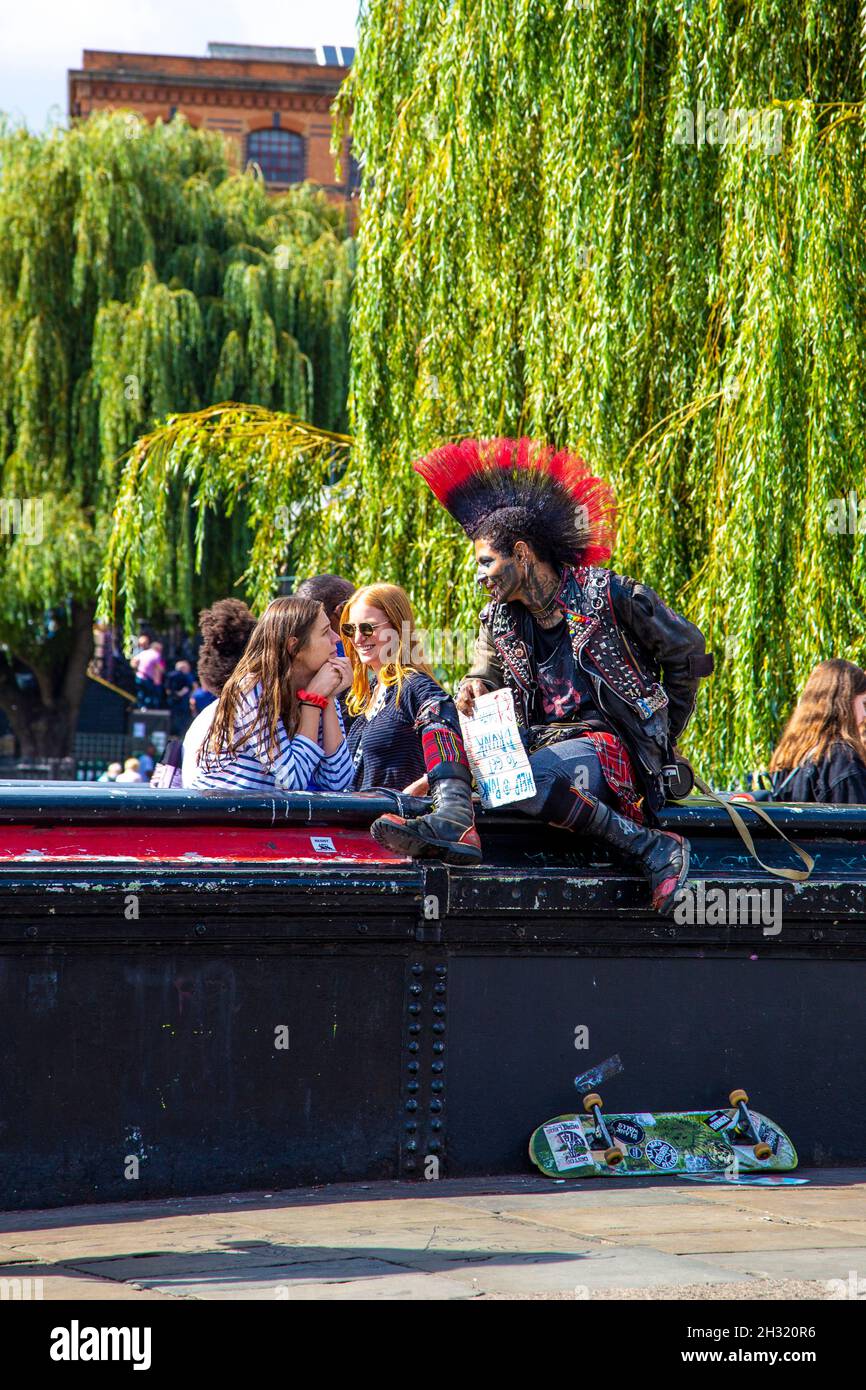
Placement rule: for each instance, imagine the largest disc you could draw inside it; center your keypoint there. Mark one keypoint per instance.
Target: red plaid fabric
(617, 770)
(443, 745)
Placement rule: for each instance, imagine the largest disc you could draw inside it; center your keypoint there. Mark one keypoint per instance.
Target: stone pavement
(496, 1238)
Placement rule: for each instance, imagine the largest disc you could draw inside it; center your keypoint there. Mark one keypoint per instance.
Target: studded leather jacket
(627, 641)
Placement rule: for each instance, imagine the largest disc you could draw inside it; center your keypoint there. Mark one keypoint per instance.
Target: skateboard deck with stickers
(684, 1141)
(652, 1144)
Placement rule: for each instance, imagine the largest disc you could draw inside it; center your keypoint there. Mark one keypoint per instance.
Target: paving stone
(59, 1283)
(340, 1279)
(772, 1236)
(588, 1196)
(701, 1228)
(795, 1204)
(812, 1263)
(194, 1263)
(623, 1267)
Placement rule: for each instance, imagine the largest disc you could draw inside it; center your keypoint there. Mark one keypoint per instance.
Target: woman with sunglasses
(277, 723)
(407, 728)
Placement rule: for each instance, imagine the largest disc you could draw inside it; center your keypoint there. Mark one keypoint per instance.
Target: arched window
(278, 153)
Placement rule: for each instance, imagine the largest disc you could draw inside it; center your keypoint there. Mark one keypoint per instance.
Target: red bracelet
(306, 697)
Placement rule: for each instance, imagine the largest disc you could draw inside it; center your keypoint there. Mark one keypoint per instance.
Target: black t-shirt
(564, 693)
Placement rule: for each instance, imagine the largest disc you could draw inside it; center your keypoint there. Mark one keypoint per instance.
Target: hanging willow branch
(285, 477)
(541, 250)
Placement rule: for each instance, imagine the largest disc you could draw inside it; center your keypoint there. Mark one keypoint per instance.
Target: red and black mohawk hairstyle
(526, 489)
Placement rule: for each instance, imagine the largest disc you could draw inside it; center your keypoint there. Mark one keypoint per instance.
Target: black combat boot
(447, 832)
(661, 856)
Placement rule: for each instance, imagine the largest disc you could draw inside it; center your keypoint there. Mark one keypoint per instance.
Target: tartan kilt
(618, 772)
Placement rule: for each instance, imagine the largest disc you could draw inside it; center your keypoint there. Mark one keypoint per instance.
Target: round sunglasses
(364, 629)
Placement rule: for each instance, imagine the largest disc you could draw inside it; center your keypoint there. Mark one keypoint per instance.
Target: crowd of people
(327, 690)
(180, 690)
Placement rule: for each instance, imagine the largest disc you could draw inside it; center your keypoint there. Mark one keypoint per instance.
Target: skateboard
(731, 1139)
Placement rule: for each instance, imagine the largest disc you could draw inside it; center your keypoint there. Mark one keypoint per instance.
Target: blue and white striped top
(301, 765)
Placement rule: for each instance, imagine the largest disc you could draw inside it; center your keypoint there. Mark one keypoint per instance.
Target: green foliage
(229, 459)
(139, 278)
(538, 254)
(541, 252)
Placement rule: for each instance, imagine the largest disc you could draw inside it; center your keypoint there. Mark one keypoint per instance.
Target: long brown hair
(268, 659)
(394, 603)
(824, 715)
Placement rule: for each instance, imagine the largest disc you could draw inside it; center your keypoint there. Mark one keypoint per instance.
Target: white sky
(41, 39)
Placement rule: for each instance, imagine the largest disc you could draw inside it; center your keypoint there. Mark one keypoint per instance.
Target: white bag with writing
(496, 755)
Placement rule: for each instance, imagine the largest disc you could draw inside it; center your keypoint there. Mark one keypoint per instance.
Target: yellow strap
(796, 875)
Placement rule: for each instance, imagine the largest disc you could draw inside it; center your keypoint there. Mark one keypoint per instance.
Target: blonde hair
(394, 603)
(824, 715)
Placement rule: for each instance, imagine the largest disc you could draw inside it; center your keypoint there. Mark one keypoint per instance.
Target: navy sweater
(390, 747)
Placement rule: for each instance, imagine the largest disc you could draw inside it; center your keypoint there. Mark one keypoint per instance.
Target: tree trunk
(44, 718)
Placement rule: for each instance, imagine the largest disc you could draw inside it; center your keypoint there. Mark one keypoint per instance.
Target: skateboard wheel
(763, 1151)
(612, 1157)
(591, 1100)
(736, 1096)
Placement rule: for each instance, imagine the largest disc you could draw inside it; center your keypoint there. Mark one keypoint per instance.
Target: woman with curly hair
(821, 755)
(226, 628)
(276, 723)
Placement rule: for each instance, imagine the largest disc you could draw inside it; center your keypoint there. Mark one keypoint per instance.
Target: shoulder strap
(795, 875)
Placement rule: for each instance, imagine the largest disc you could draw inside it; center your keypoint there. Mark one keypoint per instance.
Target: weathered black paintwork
(417, 1042)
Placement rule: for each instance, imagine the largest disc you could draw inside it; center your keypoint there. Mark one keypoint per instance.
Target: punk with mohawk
(604, 674)
(520, 488)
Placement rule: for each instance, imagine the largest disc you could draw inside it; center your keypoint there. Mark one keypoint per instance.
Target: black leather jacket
(628, 642)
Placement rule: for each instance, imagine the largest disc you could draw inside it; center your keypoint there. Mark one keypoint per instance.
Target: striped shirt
(387, 749)
(299, 766)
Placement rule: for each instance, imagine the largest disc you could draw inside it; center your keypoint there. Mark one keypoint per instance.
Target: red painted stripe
(191, 843)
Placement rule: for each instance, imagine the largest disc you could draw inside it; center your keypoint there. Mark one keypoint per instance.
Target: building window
(278, 153)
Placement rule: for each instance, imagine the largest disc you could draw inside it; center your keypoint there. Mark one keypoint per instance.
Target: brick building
(272, 103)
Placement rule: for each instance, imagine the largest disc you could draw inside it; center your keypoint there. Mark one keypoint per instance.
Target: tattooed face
(498, 574)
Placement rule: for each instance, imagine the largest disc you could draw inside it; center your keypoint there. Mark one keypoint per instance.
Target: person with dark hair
(179, 685)
(582, 649)
(821, 755)
(276, 724)
(332, 592)
(226, 628)
(199, 698)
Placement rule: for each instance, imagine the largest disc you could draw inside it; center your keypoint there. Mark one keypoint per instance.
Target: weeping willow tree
(137, 278)
(633, 227)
